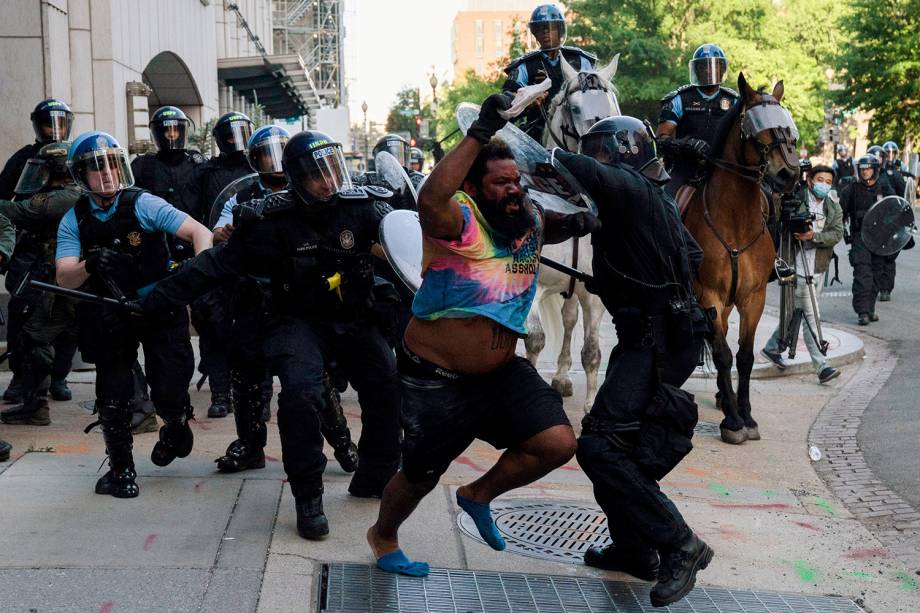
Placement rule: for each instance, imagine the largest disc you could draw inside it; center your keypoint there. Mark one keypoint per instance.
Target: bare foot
(380, 546)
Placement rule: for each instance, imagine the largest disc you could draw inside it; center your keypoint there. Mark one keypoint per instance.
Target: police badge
(347, 239)
(725, 104)
(134, 239)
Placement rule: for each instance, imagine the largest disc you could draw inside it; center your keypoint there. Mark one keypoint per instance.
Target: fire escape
(313, 29)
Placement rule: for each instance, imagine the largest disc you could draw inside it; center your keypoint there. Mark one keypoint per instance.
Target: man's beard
(511, 225)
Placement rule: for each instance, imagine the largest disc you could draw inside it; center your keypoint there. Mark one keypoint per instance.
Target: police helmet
(868, 161)
(47, 167)
(169, 127)
(99, 165)
(266, 149)
(877, 152)
(232, 132)
(547, 26)
(842, 149)
(417, 157)
(805, 166)
(395, 145)
(708, 66)
(315, 167)
(51, 120)
(891, 149)
(624, 140)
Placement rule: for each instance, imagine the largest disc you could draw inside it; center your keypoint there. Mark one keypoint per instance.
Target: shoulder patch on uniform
(670, 95)
(518, 61)
(197, 158)
(365, 192)
(382, 208)
(381, 193)
(276, 203)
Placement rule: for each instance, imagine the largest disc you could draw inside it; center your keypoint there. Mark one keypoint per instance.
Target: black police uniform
(844, 171)
(539, 68)
(209, 313)
(871, 272)
(641, 423)
(110, 337)
(296, 249)
(12, 170)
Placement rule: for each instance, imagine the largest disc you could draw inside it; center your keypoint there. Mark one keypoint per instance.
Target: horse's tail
(550, 310)
(706, 356)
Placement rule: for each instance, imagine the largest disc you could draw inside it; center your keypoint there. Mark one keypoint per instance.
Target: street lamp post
(364, 110)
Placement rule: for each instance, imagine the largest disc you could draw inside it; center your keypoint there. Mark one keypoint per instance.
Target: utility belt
(680, 321)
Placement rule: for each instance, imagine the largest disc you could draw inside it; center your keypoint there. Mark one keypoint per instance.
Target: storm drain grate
(706, 428)
(550, 530)
(356, 588)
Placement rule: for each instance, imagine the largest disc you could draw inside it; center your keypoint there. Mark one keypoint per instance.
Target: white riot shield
(391, 171)
(401, 239)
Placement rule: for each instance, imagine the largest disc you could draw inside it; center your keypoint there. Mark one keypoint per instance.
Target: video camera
(795, 217)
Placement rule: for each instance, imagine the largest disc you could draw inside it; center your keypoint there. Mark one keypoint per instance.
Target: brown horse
(727, 217)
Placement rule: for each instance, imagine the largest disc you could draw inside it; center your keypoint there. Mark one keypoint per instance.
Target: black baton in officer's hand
(78, 295)
(572, 272)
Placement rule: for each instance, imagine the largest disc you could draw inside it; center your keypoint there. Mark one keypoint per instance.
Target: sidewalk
(198, 541)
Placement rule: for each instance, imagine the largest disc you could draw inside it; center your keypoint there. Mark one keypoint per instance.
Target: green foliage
(880, 65)
(401, 117)
(202, 140)
(469, 88)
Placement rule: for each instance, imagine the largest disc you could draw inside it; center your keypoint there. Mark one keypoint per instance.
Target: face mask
(821, 190)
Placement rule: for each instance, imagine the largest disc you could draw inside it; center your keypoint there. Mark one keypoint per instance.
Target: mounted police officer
(547, 25)
(641, 423)
(250, 379)
(45, 193)
(844, 166)
(312, 245)
(689, 115)
(51, 121)
(113, 242)
(209, 313)
(869, 269)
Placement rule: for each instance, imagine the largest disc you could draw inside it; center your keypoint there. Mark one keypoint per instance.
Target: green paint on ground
(770, 494)
(907, 582)
(858, 574)
(826, 505)
(804, 571)
(719, 489)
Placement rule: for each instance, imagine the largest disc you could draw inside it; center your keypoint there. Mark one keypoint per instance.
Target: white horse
(585, 98)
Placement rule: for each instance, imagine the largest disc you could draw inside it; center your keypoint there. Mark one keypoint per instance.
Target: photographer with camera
(814, 219)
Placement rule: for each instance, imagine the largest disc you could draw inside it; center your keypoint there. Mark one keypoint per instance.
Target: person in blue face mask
(816, 248)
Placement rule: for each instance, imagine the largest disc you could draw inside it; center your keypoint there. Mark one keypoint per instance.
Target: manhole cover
(356, 588)
(706, 428)
(550, 530)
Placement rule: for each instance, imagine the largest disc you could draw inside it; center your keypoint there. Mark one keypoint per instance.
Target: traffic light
(418, 121)
(411, 142)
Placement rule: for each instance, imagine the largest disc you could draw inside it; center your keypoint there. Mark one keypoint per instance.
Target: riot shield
(401, 239)
(397, 180)
(888, 226)
(547, 182)
(910, 189)
(240, 185)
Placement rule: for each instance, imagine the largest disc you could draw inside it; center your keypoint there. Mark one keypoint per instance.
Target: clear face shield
(549, 35)
(320, 174)
(233, 136)
(708, 71)
(868, 173)
(103, 172)
(265, 157)
(399, 150)
(54, 128)
(590, 107)
(170, 134)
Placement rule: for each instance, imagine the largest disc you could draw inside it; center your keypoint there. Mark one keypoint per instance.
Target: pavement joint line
(220, 546)
(269, 548)
(458, 536)
(843, 467)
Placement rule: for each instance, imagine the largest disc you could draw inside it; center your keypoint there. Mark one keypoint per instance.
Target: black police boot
(176, 439)
(873, 316)
(884, 296)
(335, 430)
(5, 449)
(32, 412)
(677, 574)
(60, 391)
(220, 405)
(248, 451)
(311, 521)
(120, 480)
(13, 393)
(641, 564)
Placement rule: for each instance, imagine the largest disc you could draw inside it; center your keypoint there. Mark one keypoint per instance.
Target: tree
(880, 66)
(468, 88)
(401, 117)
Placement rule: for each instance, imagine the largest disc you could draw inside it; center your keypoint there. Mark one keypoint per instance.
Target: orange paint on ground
(149, 542)
(107, 607)
(807, 526)
(468, 462)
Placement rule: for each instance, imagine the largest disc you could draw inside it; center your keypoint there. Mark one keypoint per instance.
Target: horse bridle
(756, 172)
(587, 81)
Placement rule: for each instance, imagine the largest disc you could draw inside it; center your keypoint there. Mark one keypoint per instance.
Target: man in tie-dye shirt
(461, 379)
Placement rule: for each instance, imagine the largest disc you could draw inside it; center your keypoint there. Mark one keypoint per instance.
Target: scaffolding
(313, 29)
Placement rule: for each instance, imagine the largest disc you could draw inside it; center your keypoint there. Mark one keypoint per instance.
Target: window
(479, 35)
(498, 33)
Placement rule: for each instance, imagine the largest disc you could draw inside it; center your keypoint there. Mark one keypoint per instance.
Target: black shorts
(442, 412)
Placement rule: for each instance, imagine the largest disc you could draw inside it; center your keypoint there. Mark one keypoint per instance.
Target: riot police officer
(209, 313)
(113, 242)
(547, 25)
(417, 162)
(689, 115)
(891, 168)
(844, 166)
(250, 380)
(313, 246)
(641, 423)
(869, 269)
(51, 122)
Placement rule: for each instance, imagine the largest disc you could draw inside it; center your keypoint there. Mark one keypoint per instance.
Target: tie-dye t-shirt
(479, 274)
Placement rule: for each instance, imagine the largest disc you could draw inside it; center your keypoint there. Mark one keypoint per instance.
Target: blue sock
(482, 517)
(398, 562)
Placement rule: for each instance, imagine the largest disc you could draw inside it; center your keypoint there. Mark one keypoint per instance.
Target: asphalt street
(890, 426)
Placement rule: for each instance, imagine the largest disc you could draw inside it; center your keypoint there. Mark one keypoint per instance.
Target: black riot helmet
(868, 161)
(624, 140)
(51, 121)
(395, 145)
(708, 66)
(417, 157)
(547, 25)
(891, 151)
(315, 167)
(47, 168)
(169, 127)
(877, 152)
(232, 132)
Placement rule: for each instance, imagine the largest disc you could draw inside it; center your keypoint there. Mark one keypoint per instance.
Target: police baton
(78, 295)
(568, 270)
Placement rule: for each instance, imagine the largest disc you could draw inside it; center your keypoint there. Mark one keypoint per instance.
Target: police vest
(858, 198)
(123, 233)
(168, 181)
(701, 116)
(845, 169)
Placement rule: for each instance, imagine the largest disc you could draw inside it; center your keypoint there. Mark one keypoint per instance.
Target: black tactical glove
(580, 224)
(489, 121)
(106, 261)
(592, 285)
(696, 147)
